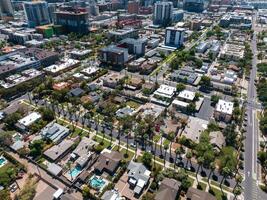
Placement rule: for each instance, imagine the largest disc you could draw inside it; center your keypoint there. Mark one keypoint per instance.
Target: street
(251, 189)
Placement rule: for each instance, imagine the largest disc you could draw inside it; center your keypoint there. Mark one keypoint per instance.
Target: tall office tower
(6, 9)
(174, 2)
(194, 5)
(93, 8)
(52, 7)
(73, 20)
(163, 13)
(174, 37)
(36, 13)
(133, 7)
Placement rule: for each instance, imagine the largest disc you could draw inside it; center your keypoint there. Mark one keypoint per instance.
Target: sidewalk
(139, 152)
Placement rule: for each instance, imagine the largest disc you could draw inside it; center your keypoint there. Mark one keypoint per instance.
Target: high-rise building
(194, 5)
(174, 37)
(133, 7)
(93, 8)
(73, 20)
(51, 11)
(163, 13)
(36, 13)
(6, 9)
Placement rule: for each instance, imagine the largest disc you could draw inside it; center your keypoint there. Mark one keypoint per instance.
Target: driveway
(206, 110)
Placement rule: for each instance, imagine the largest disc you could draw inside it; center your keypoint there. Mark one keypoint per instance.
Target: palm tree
(29, 97)
(69, 167)
(225, 172)
(166, 146)
(212, 168)
(154, 154)
(189, 155)
(178, 151)
(171, 136)
(136, 142)
(238, 179)
(161, 141)
(127, 140)
(145, 140)
(183, 123)
(119, 135)
(200, 161)
(237, 191)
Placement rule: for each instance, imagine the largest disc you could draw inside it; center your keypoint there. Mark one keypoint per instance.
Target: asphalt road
(149, 148)
(251, 190)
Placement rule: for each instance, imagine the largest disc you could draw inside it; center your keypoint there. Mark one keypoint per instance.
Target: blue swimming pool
(96, 182)
(75, 172)
(2, 161)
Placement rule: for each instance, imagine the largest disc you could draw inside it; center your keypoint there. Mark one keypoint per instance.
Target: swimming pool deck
(102, 187)
(3, 161)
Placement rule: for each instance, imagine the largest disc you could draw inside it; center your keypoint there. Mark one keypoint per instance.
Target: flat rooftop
(186, 94)
(30, 119)
(225, 107)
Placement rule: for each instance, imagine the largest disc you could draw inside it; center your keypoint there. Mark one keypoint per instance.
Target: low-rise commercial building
(80, 54)
(134, 46)
(232, 52)
(121, 34)
(65, 65)
(186, 74)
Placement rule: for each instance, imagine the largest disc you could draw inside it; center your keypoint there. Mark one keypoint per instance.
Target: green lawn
(203, 186)
(218, 194)
(159, 159)
(130, 154)
(223, 186)
(77, 132)
(5, 180)
(191, 180)
(99, 140)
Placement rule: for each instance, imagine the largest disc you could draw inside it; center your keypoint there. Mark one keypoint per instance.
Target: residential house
(83, 152)
(168, 189)
(151, 110)
(54, 169)
(112, 195)
(164, 94)
(184, 98)
(217, 139)
(138, 177)
(61, 85)
(195, 194)
(58, 151)
(76, 92)
(108, 162)
(55, 132)
(224, 111)
(24, 123)
(134, 83)
(194, 128)
(123, 112)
